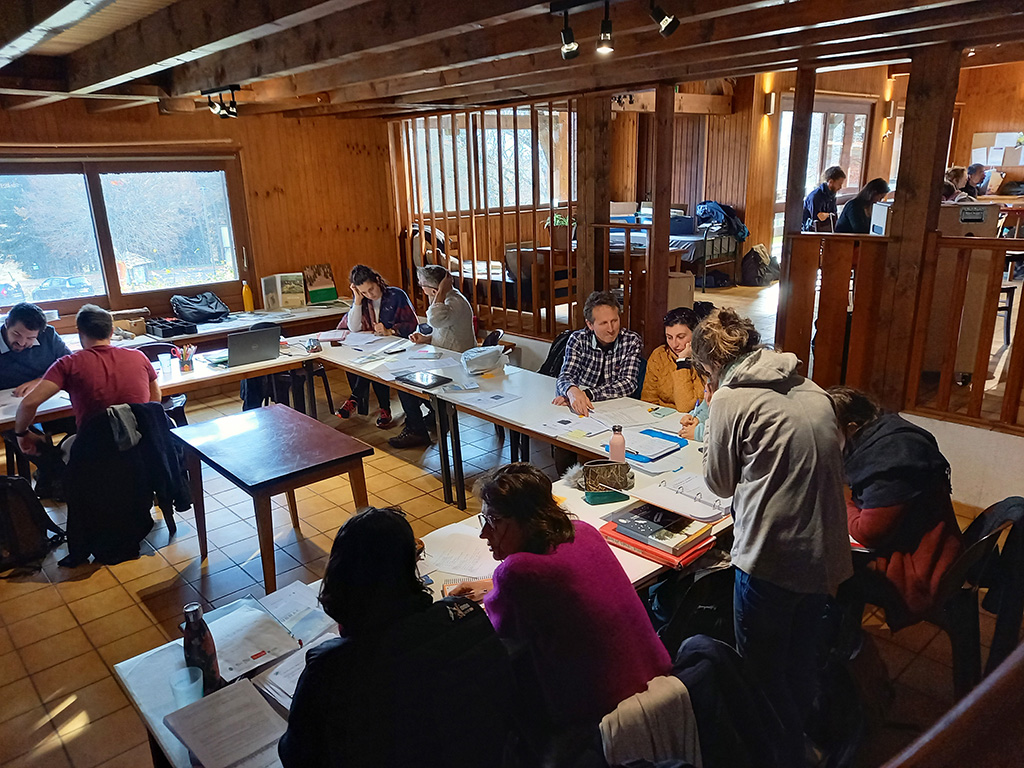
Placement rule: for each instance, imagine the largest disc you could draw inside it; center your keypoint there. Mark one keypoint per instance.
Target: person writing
(820, 205)
(773, 444)
(558, 582)
(451, 318)
(386, 311)
(671, 379)
(692, 424)
(900, 507)
(405, 671)
(856, 215)
(602, 361)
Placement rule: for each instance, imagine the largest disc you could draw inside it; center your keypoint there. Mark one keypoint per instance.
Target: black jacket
(432, 689)
(164, 461)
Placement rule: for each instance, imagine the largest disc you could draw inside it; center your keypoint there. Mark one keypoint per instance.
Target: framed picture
(320, 283)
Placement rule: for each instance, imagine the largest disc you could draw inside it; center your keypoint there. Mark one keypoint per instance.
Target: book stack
(661, 536)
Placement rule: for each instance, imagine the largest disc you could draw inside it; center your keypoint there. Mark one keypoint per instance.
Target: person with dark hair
(602, 361)
(558, 582)
(856, 215)
(772, 443)
(671, 380)
(949, 192)
(820, 205)
(975, 178)
(406, 674)
(386, 311)
(900, 507)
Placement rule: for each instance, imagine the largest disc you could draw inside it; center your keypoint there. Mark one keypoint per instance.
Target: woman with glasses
(390, 689)
(560, 598)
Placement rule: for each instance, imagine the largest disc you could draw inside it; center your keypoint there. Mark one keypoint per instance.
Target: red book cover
(613, 537)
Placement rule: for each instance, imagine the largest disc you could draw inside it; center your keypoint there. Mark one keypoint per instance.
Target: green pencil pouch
(604, 497)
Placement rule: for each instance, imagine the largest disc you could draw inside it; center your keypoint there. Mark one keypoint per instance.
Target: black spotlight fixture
(604, 42)
(666, 24)
(570, 48)
(218, 107)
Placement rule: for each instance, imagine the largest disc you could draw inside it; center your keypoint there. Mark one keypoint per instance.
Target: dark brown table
(267, 451)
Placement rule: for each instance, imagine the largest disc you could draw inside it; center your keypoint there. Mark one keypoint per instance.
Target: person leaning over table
(671, 380)
(386, 311)
(28, 347)
(560, 598)
(451, 318)
(410, 681)
(772, 443)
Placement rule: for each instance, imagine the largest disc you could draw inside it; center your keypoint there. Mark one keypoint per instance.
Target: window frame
(91, 168)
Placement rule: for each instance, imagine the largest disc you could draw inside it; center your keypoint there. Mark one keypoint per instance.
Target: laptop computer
(249, 347)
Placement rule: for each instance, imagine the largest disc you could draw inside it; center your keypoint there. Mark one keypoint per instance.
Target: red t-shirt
(100, 377)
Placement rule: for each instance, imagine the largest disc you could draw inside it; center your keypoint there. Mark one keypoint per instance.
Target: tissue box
(284, 291)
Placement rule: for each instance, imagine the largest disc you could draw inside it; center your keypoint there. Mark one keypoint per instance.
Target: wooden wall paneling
(401, 165)
(993, 101)
(762, 167)
(644, 157)
(803, 260)
(622, 179)
(572, 156)
(431, 202)
(655, 298)
(442, 214)
(728, 149)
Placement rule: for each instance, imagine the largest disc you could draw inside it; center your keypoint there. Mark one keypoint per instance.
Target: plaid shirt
(609, 373)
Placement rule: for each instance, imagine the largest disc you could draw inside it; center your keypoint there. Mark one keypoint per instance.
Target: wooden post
(655, 300)
(799, 144)
(594, 131)
(931, 94)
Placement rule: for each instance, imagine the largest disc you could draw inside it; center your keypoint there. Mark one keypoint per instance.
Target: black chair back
(154, 349)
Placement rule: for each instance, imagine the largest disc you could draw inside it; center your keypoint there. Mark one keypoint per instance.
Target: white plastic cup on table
(165, 362)
(187, 686)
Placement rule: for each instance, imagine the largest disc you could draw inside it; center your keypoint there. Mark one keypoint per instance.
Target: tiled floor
(61, 631)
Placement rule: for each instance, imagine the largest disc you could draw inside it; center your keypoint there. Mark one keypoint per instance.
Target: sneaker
(410, 439)
(384, 420)
(348, 408)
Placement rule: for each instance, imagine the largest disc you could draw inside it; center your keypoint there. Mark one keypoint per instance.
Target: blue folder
(680, 442)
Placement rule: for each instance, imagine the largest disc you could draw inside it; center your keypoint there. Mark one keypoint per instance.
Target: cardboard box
(136, 326)
(284, 291)
(680, 289)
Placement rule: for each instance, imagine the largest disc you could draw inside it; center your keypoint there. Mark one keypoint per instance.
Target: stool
(1008, 289)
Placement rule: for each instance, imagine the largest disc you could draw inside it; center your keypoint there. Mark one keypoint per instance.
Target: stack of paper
(457, 549)
(298, 609)
(571, 423)
(279, 681)
(248, 638)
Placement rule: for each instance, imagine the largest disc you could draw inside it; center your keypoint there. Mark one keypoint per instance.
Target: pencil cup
(187, 686)
(185, 365)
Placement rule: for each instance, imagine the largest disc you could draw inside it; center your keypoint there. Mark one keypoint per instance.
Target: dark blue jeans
(780, 635)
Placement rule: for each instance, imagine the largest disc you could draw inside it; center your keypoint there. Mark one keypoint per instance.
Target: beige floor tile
(421, 528)
(334, 517)
(41, 626)
(106, 738)
(233, 579)
(54, 650)
(330, 484)
(232, 496)
(219, 518)
(26, 606)
(133, 645)
(916, 636)
(48, 753)
(445, 516)
(313, 506)
(254, 568)
(69, 676)
(339, 496)
(102, 603)
(136, 757)
(427, 483)
(309, 549)
(6, 646)
(243, 551)
(229, 534)
(422, 506)
(11, 668)
(169, 602)
(895, 657)
(85, 706)
(21, 586)
(90, 583)
(179, 550)
(25, 732)
(116, 625)
(256, 591)
(400, 494)
(17, 698)
(929, 677)
(215, 561)
(157, 581)
(303, 573)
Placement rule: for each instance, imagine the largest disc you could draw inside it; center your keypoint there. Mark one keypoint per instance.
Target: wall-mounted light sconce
(890, 109)
(769, 103)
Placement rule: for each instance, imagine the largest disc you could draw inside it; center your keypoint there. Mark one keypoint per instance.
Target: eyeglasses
(487, 520)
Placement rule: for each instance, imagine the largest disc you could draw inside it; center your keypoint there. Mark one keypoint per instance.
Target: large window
(112, 230)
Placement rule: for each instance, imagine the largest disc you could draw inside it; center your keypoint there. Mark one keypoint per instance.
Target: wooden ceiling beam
(26, 23)
(372, 26)
(184, 31)
(992, 55)
(535, 34)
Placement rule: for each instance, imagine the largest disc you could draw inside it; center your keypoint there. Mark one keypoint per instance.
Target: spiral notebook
(685, 493)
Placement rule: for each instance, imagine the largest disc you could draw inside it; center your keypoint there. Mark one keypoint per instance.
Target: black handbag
(204, 308)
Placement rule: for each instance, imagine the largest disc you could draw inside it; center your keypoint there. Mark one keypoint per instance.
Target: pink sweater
(583, 625)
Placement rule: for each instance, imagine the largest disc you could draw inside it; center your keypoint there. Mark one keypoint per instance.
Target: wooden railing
(831, 294)
(956, 372)
(625, 269)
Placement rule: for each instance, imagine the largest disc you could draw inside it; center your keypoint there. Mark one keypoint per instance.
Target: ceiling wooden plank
(26, 23)
(185, 31)
(416, 53)
(992, 55)
(372, 26)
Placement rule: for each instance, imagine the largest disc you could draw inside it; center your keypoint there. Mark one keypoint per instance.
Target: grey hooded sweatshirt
(773, 445)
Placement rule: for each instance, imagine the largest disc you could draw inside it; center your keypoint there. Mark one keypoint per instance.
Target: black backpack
(207, 307)
(552, 365)
(24, 525)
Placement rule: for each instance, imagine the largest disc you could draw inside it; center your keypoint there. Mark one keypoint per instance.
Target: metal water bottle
(200, 650)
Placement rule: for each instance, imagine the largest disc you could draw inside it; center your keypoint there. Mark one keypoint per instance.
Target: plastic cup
(187, 686)
(165, 362)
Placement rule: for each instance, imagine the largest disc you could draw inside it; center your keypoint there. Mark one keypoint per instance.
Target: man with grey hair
(450, 318)
(975, 178)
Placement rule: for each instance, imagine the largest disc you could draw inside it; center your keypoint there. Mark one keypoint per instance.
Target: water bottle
(617, 445)
(200, 650)
(247, 301)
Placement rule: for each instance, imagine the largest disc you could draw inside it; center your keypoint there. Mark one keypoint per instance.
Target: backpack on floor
(24, 526)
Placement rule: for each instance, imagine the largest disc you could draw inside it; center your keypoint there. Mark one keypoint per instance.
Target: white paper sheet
(9, 403)
(298, 609)
(248, 638)
(488, 400)
(457, 549)
(360, 339)
(625, 415)
(646, 445)
(571, 423)
(281, 680)
(415, 364)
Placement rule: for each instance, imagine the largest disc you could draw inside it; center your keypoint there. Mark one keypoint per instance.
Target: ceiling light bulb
(214, 107)
(604, 42)
(570, 48)
(666, 24)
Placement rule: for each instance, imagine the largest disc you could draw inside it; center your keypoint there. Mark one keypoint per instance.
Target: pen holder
(186, 366)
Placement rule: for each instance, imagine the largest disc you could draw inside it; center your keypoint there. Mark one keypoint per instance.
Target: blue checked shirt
(606, 373)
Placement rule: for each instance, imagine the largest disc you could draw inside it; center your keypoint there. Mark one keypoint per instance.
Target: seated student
(900, 506)
(386, 311)
(856, 215)
(950, 192)
(28, 347)
(560, 596)
(819, 213)
(957, 176)
(410, 681)
(451, 318)
(975, 179)
(602, 361)
(671, 380)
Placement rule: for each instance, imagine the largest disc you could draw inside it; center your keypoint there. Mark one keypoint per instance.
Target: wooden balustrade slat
(830, 336)
(1014, 374)
(868, 282)
(988, 326)
(803, 271)
(922, 317)
(956, 309)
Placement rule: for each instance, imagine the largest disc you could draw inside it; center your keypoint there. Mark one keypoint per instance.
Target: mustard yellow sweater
(666, 385)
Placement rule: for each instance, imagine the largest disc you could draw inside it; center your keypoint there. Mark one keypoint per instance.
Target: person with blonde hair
(773, 444)
(957, 176)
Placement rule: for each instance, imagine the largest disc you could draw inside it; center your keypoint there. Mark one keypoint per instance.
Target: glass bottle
(617, 445)
(200, 650)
